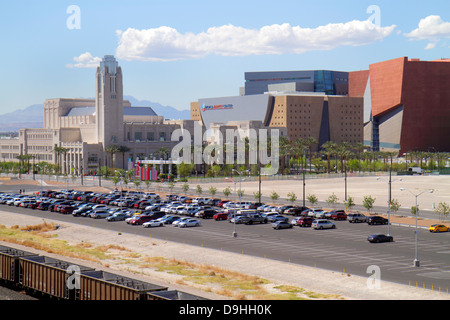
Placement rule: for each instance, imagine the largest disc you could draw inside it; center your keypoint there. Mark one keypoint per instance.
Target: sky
(176, 52)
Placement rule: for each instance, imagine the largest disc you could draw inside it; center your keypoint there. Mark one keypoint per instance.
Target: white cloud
(430, 46)
(431, 28)
(167, 44)
(85, 60)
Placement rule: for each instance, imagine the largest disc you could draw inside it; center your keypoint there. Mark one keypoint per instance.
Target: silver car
(323, 224)
(356, 217)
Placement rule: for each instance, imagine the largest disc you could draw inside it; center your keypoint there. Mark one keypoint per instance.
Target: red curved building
(406, 104)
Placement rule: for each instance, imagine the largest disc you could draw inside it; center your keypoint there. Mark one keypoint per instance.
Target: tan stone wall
(195, 112)
(346, 119)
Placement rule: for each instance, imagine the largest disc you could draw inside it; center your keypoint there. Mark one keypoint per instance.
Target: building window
(162, 136)
(138, 136)
(150, 136)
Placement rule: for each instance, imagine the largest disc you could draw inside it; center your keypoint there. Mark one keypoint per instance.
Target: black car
(380, 238)
(207, 213)
(43, 205)
(284, 208)
(296, 211)
(377, 220)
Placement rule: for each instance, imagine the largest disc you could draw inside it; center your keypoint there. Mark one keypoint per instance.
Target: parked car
(206, 213)
(320, 214)
(178, 221)
(100, 214)
(221, 203)
(189, 223)
(302, 221)
(377, 220)
(168, 219)
(67, 209)
(438, 228)
(275, 218)
(82, 209)
(281, 225)
(313, 212)
(379, 238)
(220, 216)
(356, 217)
(141, 219)
(322, 224)
(295, 211)
(253, 218)
(282, 209)
(338, 215)
(118, 216)
(153, 223)
(235, 218)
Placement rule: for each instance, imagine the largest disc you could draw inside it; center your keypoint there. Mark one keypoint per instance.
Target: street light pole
(240, 197)
(389, 197)
(416, 261)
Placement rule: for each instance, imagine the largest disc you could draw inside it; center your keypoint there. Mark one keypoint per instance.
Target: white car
(323, 224)
(153, 223)
(189, 223)
(177, 222)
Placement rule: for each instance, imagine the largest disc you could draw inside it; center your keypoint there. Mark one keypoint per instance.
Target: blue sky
(176, 52)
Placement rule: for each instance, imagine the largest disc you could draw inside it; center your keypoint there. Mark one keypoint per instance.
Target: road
(344, 249)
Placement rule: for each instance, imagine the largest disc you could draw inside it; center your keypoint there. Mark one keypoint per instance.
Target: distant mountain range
(32, 116)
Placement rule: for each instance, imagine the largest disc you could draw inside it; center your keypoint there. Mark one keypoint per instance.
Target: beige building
(323, 117)
(336, 118)
(87, 127)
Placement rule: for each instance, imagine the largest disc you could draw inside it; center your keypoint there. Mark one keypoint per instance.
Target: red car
(338, 215)
(303, 221)
(66, 209)
(140, 219)
(221, 203)
(220, 216)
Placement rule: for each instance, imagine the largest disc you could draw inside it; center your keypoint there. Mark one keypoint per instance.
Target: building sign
(216, 107)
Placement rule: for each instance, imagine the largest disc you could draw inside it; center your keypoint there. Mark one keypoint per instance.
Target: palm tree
(59, 151)
(163, 152)
(112, 149)
(123, 150)
(297, 149)
(359, 148)
(310, 142)
(285, 150)
(329, 148)
(343, 150)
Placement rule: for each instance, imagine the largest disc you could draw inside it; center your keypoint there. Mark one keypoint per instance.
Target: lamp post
(416, 262)
(304, 180)
(389, 197)
(240, 197)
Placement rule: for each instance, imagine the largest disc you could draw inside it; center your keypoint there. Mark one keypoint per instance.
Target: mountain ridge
(32, 116)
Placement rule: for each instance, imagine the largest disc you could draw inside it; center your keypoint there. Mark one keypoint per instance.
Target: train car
(48, 277)
(9, 265)
(101, 285)
(172, 295)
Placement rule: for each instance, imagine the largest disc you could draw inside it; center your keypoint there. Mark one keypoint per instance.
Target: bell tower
(109, 102)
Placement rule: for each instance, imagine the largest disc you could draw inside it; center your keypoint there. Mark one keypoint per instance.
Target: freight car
(9, 265)
(46, 277)
(101, 285)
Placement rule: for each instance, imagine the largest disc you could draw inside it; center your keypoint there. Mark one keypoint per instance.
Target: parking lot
(226, 227)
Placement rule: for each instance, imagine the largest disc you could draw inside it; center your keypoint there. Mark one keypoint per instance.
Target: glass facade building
(326, 81)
